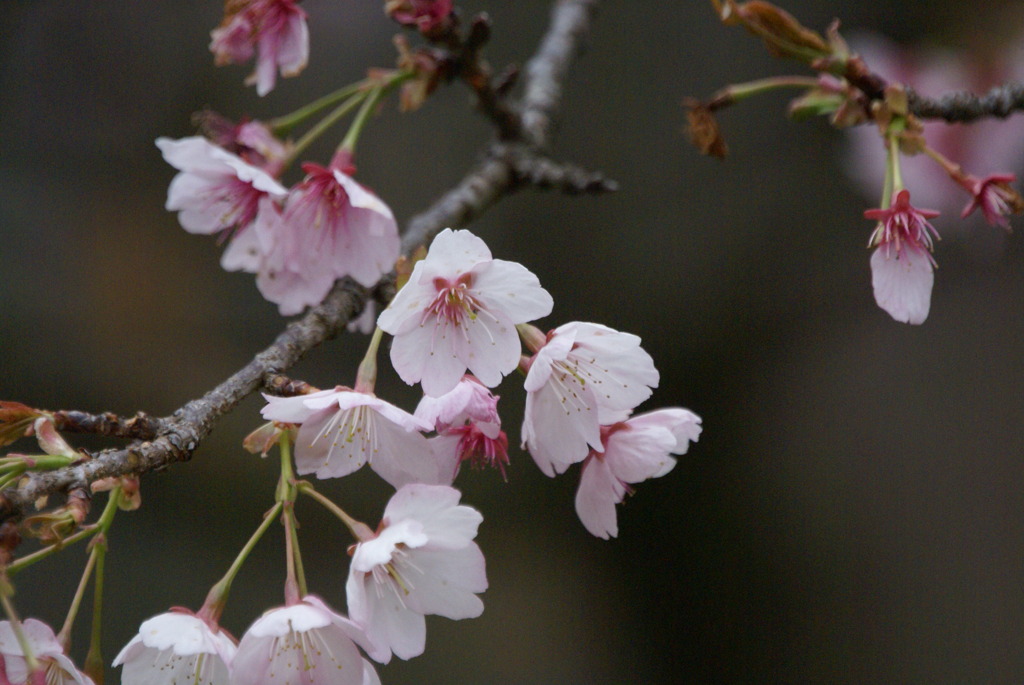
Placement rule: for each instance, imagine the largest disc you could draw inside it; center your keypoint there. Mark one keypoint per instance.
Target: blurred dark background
(854, 511)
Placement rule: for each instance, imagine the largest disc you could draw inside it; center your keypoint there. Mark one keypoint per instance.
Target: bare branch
(496, 176)
(139, 427)
(1001, 101)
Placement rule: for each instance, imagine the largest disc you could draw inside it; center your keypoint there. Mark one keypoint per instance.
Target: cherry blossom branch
(504, 167)
(139, 427)
(962, 106)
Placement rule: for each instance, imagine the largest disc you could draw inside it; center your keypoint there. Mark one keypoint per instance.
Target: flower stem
(218, 595)
(99, 548)
(366, 376)
(41, 554)
(312, 134)
(736, 92)
(295, 585)
(359, 530)
(94, 658)
(369, 105)
(31, 662)
(282, 125)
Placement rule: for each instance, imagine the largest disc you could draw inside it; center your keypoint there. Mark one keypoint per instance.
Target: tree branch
(496, 176)
(960, 107)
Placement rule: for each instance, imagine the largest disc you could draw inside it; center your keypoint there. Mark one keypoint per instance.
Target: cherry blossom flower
(901, 266)
(995, 197)
(177, 647)
(585, 376)
(459, 311)
(215, 190)
(634, 450)
(276, 29)
(421, 561)
(331, 220)
(468, 426)
(302, 643)
(58, 668)
(342, 429)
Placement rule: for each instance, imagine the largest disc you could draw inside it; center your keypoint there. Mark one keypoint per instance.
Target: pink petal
(596, 498)
(489, 348)
(902, 283)
(448, 524)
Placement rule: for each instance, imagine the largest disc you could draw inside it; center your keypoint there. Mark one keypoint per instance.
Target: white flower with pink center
(333, 224)
(634, 450)
(56, 667)
(176, 647)
(585, 376)
(302, 643)
(468, 427)
(275, 28)
(901, 266)
(215, 190)
(458, 311)
(342, 429)
(421, 561)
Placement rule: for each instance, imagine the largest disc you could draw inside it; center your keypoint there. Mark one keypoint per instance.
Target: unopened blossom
(177, 647)
(425, 15)
(57, 668)
(422, 560)
(274, 30)
(468, 427)
(251, 140)
(901, 266)
(342, 429)
(215, 190)
(634, 450)
(586, 375)
(995, 197)
(458, 311)
(305, 642)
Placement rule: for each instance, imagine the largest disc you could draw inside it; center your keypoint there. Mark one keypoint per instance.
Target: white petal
(390, 626)
(596, 498)
(242, 253)
(425, 355)
(902, 283)
(684, 424)
(445, 582)
(400, 456)
(556, 350)
(561, 420)
(446, 523)
(512, 289)
(489, 347)
(453, 253)
(636, 454)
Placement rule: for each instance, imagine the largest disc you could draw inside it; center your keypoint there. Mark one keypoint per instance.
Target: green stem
(287, 493)
(741, 91)
(283, 125)
(894, 164)
(375, 96)
(95, 557)
(312, 134)
(41, 554)
(358, 529)
(94, 658)
(218, 595)
(31, 663)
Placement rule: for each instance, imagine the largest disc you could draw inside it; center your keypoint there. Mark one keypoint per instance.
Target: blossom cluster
(422, 560)
(297, 241)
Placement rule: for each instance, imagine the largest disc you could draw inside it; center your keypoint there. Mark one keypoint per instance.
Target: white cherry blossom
(302, 643)
(58, 669)
(342, 429)
(458, 311)
(421, 561)
(585, 376)
(176, 647)
(634, 450)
